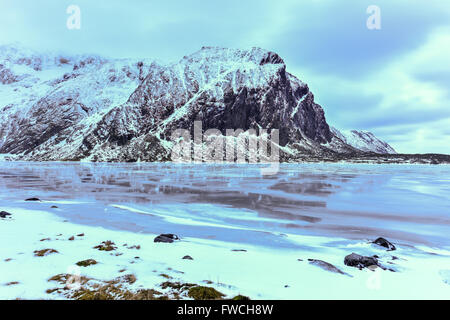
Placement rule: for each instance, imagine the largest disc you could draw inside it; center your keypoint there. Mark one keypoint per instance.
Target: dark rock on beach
(384, 243)
(166, 238)
(33, 199)
(327, 266)
(358, 261)
(4, 214)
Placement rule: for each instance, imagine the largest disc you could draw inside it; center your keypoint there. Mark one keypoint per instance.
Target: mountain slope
(364, 141)
(89, 108)
(54, 100)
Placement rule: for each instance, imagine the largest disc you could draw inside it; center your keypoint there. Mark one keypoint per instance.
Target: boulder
(33, 199)
(358, 261)
(4, 214)
(166, 238)
(384, 243)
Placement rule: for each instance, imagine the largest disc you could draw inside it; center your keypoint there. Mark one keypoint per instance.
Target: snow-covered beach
(246, 235)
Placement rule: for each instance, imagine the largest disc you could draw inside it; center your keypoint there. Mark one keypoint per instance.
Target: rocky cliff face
(89, 108)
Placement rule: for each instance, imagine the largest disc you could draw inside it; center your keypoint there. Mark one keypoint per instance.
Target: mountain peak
(255, 55)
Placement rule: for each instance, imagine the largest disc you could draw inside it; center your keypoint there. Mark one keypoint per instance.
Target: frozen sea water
(409, 204)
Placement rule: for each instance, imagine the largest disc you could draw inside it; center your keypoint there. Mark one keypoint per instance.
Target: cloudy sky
(394, 81)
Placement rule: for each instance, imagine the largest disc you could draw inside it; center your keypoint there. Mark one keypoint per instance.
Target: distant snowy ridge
(364, 140)
(57, 107)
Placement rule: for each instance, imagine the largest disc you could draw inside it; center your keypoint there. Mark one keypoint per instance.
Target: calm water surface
(407, 203)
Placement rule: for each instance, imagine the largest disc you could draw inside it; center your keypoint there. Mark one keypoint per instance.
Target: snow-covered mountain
(364, 141)
(57, 107)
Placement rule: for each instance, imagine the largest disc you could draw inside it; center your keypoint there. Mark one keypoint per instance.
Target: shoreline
(253, 271)
(369, 158)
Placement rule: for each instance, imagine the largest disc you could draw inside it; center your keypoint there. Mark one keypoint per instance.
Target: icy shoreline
(255, 271)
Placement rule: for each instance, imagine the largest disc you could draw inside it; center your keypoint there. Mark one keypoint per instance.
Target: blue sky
(394, 82)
